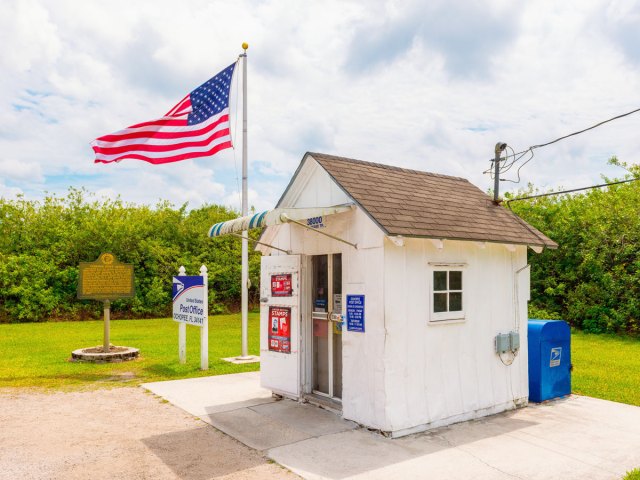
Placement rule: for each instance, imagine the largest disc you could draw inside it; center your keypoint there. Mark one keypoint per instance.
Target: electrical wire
(515, 299)
(586, 129)
(507, 166)
(513, 359)
(535, 232)
(580, 131)
(520, 167)
(629, 180)
(521, 154)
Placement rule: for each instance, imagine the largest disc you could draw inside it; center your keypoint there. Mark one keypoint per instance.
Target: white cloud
(258, 201)
(29, 37)
(17, 170)
(9, 192)
(376, 81)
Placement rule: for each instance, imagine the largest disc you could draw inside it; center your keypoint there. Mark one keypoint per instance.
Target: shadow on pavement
(202, 453)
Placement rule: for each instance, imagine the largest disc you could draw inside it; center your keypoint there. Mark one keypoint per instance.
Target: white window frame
(447, 317)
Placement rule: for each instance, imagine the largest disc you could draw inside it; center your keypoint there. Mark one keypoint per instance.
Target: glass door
(326, 318)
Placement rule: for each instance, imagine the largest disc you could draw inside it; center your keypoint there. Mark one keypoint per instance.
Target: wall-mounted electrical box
(507, 342)
(502, 343)
(514, 340)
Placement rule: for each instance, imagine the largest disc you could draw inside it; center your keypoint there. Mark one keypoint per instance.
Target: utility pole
(496, 171)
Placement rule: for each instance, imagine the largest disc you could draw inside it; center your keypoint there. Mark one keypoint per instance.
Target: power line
(587, 129)
(516, 157)
(575, 133)
(571, 191)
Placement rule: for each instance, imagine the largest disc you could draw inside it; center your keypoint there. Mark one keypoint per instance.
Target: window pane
(455, 301)
(455, 280)
(439, 302)
(439, 281)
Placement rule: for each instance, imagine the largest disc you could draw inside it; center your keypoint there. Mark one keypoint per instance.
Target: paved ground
(123, 433)
(128, 433)
(575, 438)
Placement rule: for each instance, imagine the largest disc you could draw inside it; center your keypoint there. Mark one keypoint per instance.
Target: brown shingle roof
(422, 204)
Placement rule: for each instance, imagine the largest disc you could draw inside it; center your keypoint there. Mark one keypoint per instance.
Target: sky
(429, 85)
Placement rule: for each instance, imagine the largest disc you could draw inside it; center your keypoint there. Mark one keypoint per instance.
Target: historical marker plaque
(105, 279)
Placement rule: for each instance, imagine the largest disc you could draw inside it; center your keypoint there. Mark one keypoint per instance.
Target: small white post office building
(396, 297)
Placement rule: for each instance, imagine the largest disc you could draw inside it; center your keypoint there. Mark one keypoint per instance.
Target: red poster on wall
(281, 285)
(280, 329)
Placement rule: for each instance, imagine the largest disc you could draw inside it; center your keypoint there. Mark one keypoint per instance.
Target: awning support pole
(285, 218)
(288, 252)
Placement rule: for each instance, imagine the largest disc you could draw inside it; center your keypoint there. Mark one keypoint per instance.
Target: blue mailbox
(549, 359)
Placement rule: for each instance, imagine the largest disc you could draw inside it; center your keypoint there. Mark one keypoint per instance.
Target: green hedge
(43, 242)
(593, 278)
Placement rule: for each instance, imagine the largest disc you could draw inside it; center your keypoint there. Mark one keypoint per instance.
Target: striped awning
(274, 217)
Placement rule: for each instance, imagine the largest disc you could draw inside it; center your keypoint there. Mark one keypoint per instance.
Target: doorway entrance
(326, 325)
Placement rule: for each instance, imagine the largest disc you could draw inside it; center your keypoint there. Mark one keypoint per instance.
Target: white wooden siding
(404, 373)
(437, 372)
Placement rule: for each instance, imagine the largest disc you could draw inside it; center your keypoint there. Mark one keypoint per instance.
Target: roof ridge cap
(385, 166)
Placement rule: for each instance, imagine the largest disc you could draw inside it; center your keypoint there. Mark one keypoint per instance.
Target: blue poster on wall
(355, 313)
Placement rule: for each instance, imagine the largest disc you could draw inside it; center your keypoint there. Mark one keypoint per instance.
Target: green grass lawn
(606, 366)
(37, 354)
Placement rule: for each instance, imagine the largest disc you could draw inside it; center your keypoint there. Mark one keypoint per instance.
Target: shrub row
(593, 278)
(43, 242)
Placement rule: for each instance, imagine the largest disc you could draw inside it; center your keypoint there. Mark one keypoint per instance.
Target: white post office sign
(189, 299)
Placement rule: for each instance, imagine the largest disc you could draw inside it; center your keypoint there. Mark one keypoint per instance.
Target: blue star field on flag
(211, 97)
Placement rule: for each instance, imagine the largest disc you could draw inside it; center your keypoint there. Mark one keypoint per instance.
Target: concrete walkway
(575, 438)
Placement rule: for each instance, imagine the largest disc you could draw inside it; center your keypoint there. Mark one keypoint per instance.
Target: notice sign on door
(280, 329)
(355, 313)
(281, 285)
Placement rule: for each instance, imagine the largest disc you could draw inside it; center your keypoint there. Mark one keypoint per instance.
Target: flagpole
(245, 211)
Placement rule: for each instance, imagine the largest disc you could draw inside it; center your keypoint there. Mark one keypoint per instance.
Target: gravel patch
(116, 434)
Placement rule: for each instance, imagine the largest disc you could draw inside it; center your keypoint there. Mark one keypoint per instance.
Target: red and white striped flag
(198, 126)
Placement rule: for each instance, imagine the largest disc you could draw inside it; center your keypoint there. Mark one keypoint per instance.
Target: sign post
(191, 306)
(182, 331)
(105, 279)
(107, 326)
(204, 330)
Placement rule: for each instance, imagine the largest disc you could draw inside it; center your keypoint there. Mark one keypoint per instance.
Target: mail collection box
(549, 359)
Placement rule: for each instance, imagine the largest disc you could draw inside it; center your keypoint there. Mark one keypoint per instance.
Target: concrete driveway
(573, 438)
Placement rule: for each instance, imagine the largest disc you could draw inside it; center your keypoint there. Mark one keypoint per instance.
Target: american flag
(198, 126)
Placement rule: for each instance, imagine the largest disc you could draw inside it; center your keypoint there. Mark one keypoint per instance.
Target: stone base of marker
(97, 354)
(242, 360)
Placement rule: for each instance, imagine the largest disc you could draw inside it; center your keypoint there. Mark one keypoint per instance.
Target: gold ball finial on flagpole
(245, 46)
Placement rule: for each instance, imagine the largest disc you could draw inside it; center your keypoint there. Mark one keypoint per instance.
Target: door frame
(306, 346)
(306, 328)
